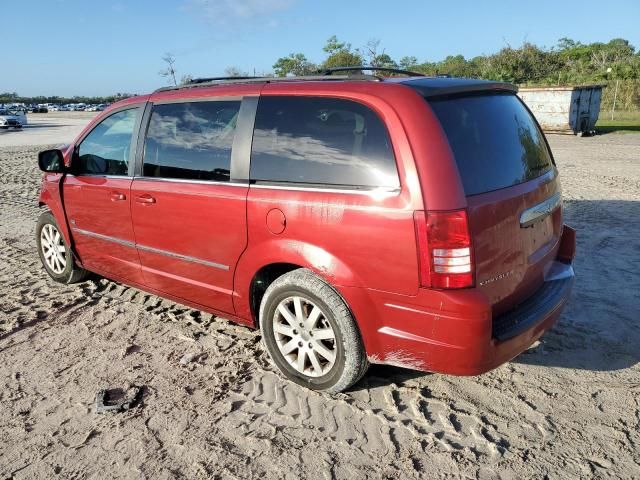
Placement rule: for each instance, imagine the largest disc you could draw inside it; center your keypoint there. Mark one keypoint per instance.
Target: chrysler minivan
(352, 218)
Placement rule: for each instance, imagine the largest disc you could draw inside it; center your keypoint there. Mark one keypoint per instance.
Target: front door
(189, 216)
(97, 197)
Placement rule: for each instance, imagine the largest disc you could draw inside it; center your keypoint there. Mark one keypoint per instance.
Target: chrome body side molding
(186, 258)
(145, 248)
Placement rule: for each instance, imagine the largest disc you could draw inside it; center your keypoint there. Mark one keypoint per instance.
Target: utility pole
(615, 97)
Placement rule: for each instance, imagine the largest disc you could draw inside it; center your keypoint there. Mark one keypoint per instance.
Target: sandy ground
(47, 128)
(569, 408)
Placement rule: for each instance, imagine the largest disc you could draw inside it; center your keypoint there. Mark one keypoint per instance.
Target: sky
(102, 47)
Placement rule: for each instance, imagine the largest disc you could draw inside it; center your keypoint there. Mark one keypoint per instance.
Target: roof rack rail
(214, 79)
(208, 82)
(409, 73)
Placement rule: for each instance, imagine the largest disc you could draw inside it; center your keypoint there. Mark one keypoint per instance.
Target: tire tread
(356, 362)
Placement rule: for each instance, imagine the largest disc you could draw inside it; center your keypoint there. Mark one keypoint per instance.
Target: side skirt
(181, 301)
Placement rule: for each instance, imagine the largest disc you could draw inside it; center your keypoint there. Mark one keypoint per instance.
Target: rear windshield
(495, 141)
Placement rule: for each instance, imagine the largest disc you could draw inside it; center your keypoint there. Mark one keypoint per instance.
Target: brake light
(444, 249)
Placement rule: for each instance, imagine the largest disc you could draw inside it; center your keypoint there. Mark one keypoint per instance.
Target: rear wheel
(310, 333)
(55, 253)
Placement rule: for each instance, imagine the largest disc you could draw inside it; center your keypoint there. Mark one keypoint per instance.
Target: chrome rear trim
(540, 211)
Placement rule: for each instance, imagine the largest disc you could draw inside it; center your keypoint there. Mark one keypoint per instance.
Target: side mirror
(51, 161)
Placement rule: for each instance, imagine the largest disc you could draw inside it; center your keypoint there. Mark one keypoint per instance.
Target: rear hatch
(513, 195)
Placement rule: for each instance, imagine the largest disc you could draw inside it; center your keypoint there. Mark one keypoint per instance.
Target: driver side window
(106, 150)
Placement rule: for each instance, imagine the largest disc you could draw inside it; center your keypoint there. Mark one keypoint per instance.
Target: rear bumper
(459, 336)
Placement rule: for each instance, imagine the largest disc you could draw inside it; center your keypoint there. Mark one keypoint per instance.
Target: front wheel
(55, 253)
(310, 334)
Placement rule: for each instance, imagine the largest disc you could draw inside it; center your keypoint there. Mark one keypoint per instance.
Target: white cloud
(222, 11)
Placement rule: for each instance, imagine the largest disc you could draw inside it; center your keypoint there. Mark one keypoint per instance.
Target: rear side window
(495, 141)
(191, 140)
(321, 141)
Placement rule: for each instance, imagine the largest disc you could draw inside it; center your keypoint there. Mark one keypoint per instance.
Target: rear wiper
(538, 167)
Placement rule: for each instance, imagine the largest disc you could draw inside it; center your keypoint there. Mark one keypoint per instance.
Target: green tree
(9, 97)
(340, 54)
(343, 59)
(377, 57)
(383, 60)
(333, 45)
(295, 64)
(526, 64)
(408, 63)
(456, 66)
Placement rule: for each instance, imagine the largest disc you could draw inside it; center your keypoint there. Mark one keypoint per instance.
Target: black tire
(350, 362)
(72, 273)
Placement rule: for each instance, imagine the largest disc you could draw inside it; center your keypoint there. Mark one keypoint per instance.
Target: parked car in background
(9, 119)
(16, 107)
(63, 108)
(411, 221)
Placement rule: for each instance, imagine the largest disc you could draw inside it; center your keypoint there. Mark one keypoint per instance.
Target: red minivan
(354, 219)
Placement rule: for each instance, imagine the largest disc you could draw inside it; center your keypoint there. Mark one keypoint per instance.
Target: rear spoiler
(463, 88)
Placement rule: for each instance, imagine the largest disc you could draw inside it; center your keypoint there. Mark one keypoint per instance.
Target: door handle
(117, 196)
(145, 199)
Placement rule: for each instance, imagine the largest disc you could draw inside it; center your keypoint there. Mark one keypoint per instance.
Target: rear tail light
(444, 249)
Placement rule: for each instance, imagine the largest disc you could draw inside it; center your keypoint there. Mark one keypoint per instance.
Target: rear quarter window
(321, 141)
(495, 141)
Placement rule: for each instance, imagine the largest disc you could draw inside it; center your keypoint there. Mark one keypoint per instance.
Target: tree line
(569, 62)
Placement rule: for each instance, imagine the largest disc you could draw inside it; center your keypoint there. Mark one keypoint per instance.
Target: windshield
(495, 140)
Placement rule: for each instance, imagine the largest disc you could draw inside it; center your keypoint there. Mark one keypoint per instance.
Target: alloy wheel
(53, 249)
(304, 336)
